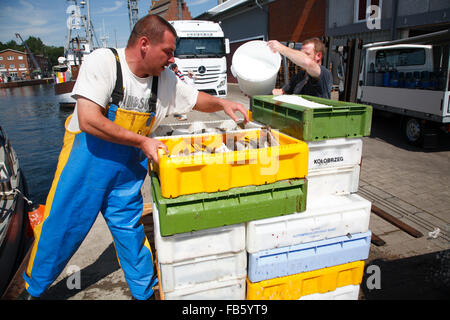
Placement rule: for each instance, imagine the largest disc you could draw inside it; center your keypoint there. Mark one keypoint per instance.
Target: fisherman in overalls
(122, 96)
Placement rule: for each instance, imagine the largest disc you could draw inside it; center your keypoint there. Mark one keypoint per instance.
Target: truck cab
(201, 49)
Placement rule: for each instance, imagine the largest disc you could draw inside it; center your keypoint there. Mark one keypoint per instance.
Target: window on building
(1, 58)
(2, 65)
(20, 57)
(22, 65)
(362, 10)
(10, 57)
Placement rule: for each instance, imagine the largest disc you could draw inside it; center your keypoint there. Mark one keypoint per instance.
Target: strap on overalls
(117, 94)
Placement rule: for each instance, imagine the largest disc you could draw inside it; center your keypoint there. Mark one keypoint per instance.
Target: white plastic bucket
(255, 66)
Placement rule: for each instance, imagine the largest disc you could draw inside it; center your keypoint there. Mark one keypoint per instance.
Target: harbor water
(34, 123)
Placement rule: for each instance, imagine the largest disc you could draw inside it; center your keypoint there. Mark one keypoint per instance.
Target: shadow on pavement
(423, 277)
(105, 265)
(387, 127)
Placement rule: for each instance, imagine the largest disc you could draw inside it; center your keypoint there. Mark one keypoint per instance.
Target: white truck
(201, 49)
(409, 77)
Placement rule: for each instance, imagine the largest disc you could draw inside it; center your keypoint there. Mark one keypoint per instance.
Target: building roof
(228, 5)
(225, 6)
(13, 51)
(221, 8)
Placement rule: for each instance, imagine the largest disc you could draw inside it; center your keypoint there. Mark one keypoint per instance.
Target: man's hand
(92, 121)
(208, 103)
(230, 108)
(276, 46)
(277, 92)
(150, 148)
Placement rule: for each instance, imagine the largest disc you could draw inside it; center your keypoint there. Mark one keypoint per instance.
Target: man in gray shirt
(314, 79)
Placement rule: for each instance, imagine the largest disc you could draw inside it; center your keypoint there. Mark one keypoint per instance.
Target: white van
(409, 77)
(386, 65)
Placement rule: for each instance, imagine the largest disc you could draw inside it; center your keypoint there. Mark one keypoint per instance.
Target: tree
(53, 53)
(35, 44)
(12, 45)
(37, 47)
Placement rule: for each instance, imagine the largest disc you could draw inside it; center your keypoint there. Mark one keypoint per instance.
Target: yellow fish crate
(298, 285)
(219, 162)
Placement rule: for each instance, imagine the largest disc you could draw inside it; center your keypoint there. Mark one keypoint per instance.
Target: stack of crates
(318, 253)
(202, 202)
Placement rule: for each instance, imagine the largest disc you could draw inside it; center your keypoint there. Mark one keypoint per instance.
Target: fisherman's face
(309, 50)
(160, 54)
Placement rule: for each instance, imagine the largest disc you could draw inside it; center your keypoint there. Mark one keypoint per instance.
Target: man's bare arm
(208, 103)
(297, 57)
(91, 120)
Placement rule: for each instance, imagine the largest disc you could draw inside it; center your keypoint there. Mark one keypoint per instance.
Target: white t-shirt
(97, 78)
(189, 81)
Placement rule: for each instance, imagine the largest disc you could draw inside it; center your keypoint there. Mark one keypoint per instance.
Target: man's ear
(319, 55)
(144, 44)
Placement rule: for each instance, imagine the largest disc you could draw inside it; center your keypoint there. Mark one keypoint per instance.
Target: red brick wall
(16, 62)
(172, 11)
(285, 16)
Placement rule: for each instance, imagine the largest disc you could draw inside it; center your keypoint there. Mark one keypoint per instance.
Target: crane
(133, 12)
(36, 65)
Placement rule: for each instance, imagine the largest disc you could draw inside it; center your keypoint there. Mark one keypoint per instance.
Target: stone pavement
(408, 183)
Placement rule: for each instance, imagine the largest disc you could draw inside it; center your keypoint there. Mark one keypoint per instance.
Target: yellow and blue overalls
(95, 175)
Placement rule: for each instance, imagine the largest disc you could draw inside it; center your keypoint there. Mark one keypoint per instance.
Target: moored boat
(77, 47)
(16, 234)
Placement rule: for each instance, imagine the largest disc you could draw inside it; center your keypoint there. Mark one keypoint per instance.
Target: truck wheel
(413, 131)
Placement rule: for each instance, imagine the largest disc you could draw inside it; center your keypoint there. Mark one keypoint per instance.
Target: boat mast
(133, 12)
(89, 33)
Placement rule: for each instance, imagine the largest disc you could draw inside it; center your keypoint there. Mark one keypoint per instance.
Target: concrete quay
(409, 183)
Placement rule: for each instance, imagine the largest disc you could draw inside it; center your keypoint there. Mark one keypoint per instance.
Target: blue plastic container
(386, 79)
(285, 261)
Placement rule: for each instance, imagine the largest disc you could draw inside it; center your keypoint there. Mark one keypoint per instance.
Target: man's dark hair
(151, 26)
(318, 44)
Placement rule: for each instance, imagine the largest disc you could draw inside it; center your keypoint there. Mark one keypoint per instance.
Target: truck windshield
(200, 48)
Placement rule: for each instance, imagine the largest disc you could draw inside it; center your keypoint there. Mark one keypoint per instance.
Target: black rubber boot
(26, 296)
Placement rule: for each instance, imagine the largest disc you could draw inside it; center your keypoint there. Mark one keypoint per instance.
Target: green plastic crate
(343, 119)
(209, 210)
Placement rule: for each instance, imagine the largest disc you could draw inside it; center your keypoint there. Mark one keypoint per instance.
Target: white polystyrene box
(333, 181)
(350, 292)
(195, 271)
(332, 153)
(200, 127)
(325, 217)
(189, 245)
(233, 289)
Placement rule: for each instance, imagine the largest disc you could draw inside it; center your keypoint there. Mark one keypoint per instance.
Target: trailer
(410, 78)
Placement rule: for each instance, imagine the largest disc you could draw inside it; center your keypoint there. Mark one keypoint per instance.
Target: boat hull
(16, 234)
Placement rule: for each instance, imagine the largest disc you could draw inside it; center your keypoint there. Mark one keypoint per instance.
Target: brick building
(14, 64)
(168, 9)
(18, 65)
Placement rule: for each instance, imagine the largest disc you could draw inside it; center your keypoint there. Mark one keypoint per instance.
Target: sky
(46, 19)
